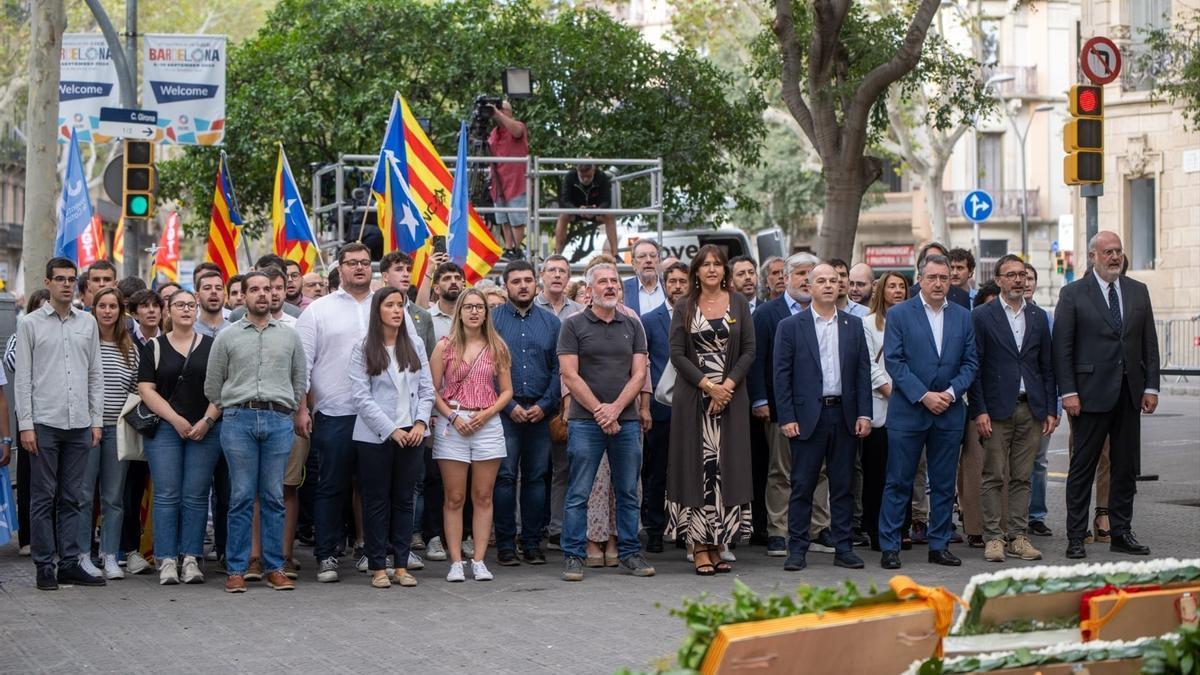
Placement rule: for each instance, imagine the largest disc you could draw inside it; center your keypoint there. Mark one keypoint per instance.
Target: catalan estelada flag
(430, 183)
(166, 260)
(400, 219)
(224, 225)
(118, 252)
(293, 235)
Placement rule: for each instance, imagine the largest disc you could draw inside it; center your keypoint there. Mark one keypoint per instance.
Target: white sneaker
(456, 572)
(25, 551)
(362, 563)
(728, 555)
(136, 563)
(468, 548)
(86, 564)
(191, 571)
(434, 549)
(389, 567)
(415, 562)
(480, 571)
(168, 572)
(111, 569)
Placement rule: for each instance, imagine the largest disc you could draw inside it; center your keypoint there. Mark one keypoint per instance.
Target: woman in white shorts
(473, 384)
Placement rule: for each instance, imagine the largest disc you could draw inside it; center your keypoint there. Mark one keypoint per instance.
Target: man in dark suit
(644, 290)
(654, 450)
(767, 318)
(1106, 360)
(826, 346)
(1014, 403)
(929, 351)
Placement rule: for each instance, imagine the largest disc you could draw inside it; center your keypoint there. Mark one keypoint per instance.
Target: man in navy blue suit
(644, 290)
(826, 346)
(654, 450)
(929, 352)
(954, 293)
(1014, 403)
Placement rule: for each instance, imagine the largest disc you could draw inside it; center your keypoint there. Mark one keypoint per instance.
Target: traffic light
(1060, 263)
(138, 191)
(1083, 137)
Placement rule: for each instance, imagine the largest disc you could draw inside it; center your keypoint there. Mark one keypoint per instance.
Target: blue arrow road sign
(977, 207)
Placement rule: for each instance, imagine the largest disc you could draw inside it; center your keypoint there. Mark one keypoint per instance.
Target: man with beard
(531, 334)
(278, 295)
(862, 284)
(295, 289)
(233, 292)
(644, 290)
(654, 454)
(844, 303)
(210, 293)
(449, 280)
(773, 278)
(744, 273)
(329, 329)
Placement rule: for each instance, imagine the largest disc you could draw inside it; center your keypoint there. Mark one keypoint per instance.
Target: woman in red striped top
(473, 383)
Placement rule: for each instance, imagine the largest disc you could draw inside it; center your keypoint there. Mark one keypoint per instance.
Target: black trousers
(434, 496)
(760, 461)
(654, 477)
(1122, 426)
(834, 445)
(387, 474)
(135, 486)
(220, 506)
(23, 461)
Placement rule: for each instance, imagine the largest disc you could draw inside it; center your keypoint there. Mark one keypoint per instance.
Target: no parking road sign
(977, 207)
(1100, 60)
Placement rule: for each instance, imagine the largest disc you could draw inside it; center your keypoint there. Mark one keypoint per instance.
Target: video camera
(482, 114)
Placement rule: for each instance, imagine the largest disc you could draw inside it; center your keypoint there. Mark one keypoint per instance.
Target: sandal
(704, 568)
(611, 560)
(1101, 535)
(723, 567)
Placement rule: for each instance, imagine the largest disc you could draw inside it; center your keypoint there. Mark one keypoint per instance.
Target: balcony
(1024, 82)
(1005, 203)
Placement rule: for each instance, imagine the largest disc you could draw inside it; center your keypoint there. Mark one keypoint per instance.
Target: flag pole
(362, 226)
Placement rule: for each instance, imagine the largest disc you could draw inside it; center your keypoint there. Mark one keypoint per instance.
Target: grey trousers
(56, 488)
(560, 472)
(1010, 449)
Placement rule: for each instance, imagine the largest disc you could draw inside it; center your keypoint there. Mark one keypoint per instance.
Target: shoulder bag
(144, 420)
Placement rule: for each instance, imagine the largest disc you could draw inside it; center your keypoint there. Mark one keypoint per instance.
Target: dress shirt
(140, 337)
(794, 305)
(569, 308)
(827, 341)
(1104, 292)
(648, 301)
(854, 309)
(59, 379)
(441, 321)
(937, 319)
(251, 364)
(532, 339)
(1016, 323)
(753, 301)
(329, 329)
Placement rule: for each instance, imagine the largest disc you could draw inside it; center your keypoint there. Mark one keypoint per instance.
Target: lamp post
(1022, 136)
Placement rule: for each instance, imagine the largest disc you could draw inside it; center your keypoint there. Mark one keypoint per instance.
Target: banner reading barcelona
(87, 82)
(183, 78)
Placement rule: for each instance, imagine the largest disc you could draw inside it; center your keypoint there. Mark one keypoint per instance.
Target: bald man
(862, 282)
(313, 286)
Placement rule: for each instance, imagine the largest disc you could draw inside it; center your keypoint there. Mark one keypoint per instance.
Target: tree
(1172, 57)
(320, 80)
(47, 22)
(836, 62)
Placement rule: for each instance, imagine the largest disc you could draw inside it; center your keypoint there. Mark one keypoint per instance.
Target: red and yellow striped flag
(166, 261)
(118, 252)
(224, 225)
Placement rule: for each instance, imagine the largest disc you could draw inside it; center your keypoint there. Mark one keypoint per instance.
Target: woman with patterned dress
(709, 487)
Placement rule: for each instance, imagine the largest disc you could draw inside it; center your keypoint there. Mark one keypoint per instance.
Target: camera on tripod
(482, 114)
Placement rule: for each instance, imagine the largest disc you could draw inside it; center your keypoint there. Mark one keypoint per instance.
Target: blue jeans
(1037, 487)
(586, 445)
(103, 464)
(332, 441)
(182, 472)
(528, 447)
(257, 444)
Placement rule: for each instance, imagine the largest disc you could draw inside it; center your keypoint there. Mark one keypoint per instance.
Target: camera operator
(509, 139)
(586, 188)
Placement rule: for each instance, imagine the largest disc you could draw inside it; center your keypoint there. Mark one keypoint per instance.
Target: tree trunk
(935, 203)
(47, 23)
(839, 222)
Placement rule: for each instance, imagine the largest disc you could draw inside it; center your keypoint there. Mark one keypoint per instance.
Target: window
(1143, 221)
(990, 41)
(891, 176)
(990, 250)
(989, 151)
(1145, 17)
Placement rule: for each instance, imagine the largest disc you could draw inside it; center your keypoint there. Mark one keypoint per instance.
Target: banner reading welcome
(183, 79)
(87, 82)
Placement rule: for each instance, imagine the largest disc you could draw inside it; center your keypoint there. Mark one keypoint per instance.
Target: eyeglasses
(474, 307)
(296, 275)
(60, 279)
(936, 277)
(183, 305)
(356, 263)
(1015, 275)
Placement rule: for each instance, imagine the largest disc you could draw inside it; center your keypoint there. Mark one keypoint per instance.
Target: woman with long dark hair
(393, 393)
(891, 289)
(709, 485)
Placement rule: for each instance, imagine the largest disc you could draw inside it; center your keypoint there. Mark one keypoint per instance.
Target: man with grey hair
(862, 284)
(767, 318)
(774, 281)
(602, 361)
(644, 291)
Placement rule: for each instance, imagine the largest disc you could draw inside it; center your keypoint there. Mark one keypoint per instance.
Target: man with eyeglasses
(261, 265)
(313, 286)
(329, 329)
(294, 285)
(59, 389)
(644, 291)
(1013, 403)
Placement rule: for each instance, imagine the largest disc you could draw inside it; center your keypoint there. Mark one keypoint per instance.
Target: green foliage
(320, 77)
(1181, 655)
(1173, 58)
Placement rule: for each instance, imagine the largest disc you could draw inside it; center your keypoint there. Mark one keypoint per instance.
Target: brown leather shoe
(235, 584)
(279, 581)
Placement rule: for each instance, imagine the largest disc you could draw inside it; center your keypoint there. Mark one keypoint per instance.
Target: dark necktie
(1114, 306)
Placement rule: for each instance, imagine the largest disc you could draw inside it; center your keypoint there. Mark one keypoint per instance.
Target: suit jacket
(916, 367)
(633, 299)
(422, 325)
(376, 397)
(798, 375)
(954, 294)
(766, 320)
(1003, 363)
(658, 342)
(1090, 355)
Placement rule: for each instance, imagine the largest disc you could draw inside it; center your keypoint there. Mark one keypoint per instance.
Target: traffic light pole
(133, 226)
(1091, 208)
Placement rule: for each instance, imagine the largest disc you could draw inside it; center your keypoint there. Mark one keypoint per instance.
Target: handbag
(665, 390)
(129, 440)
(144, 420)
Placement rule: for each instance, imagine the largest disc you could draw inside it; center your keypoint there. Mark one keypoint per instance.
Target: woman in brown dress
(709, 486)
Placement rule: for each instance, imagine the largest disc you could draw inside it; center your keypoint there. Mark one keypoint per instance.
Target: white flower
(1053, 650)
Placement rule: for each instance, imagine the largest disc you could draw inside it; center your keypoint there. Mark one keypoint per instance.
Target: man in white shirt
(844, 303)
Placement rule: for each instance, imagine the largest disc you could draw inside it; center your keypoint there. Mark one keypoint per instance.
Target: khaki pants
(920, 500)
(779, 488)
(1011, 449)
(970, 473)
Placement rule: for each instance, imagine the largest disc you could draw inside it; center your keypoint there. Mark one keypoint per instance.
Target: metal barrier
(1179, 345)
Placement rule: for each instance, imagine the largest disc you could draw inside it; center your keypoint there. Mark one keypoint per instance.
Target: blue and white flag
(75, 206)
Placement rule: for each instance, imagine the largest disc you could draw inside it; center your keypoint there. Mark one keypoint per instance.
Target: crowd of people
(821, 410)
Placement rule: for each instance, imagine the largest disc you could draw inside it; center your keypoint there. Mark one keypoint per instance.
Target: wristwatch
(210, 421)
(7, 440)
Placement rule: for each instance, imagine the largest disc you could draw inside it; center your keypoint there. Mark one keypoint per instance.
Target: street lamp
(1021, 137)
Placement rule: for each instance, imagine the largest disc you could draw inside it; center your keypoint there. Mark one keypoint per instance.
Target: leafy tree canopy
(319, 78)
(1173, 57)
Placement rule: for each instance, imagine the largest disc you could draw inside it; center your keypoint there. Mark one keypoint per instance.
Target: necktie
(1114, 306)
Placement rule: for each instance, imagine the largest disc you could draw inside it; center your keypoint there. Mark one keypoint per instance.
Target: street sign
(128, 123)
(1100, 60)
(977, 207)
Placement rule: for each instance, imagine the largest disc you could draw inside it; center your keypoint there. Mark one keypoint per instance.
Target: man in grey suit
(1106, 362)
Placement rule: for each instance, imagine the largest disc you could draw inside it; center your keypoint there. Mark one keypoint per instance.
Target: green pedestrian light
(139, 180)
(137, 206)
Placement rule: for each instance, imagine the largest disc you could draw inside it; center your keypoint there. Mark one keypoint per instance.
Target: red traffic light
(1087, 100)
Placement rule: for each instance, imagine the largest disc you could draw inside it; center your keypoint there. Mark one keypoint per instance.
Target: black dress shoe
(654, 543)
(849, 560)
(859, 538)
(534, 556)
(890, 560)
(1039, 528)
(975, 540)
(507, 557)
(74, 575)
(1075, 549)
(795, 563)
(46, 580)
(944, 557)
(1125, 543)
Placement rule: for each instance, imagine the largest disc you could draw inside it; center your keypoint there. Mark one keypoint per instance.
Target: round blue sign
(977, 206)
